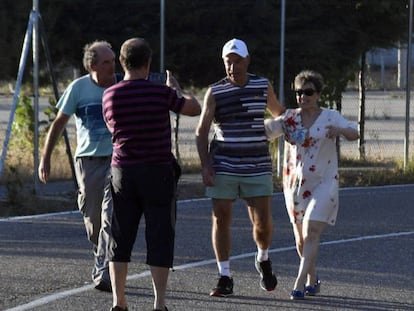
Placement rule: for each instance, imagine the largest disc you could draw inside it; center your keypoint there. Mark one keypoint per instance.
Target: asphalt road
(366, 260)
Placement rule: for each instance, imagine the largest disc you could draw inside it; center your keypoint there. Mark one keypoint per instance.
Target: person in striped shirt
(236, 163)
(137, 113)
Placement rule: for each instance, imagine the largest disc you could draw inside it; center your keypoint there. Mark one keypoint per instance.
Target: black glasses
(307, 92)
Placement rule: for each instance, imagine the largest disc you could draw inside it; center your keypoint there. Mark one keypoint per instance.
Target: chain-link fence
(384, 127)
(385, 115)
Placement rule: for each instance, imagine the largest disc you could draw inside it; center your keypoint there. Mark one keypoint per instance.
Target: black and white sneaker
(268, 280)
(104, 286)
(224, 287)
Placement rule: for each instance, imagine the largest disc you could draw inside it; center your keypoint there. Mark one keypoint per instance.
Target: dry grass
(190, 189)
(30, 204)
(23, 202)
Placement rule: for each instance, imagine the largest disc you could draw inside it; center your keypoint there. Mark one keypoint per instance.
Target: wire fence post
(408, 88)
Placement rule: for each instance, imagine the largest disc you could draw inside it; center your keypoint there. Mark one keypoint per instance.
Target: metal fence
(384, 127)
(385, 114)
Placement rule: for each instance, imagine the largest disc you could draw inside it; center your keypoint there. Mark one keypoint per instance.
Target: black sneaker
(104, 286)
(118, 309)
(224, 287)
(268, 279)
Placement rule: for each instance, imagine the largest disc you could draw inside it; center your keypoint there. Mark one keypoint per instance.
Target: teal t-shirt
(83, 99)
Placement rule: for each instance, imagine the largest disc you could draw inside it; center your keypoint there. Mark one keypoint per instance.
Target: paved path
(366, 260)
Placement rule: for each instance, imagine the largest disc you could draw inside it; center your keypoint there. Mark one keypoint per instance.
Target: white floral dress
(310, 170)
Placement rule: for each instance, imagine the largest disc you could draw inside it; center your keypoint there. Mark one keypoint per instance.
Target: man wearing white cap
(236, 163)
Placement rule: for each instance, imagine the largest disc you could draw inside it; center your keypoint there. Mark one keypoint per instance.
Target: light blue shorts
(233, 187)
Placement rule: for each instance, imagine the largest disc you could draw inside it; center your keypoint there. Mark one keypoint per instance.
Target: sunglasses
(307, 92)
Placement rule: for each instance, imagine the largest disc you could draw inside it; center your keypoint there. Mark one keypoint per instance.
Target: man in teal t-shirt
(83, 100)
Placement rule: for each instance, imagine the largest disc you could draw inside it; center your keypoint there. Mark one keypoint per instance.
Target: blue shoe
(297, 295)
(313, 290)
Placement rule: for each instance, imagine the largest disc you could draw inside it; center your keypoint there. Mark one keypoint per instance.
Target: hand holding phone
(157, 77)
(173, 83)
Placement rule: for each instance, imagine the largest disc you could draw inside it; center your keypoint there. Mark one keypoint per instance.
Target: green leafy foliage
(50, 113)
(24, 125)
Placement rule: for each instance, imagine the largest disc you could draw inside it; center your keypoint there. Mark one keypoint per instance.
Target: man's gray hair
(90, 53)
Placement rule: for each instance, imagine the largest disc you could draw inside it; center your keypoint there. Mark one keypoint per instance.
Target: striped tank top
(239, 145)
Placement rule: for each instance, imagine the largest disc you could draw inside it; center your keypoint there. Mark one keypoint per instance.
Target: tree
(325, 35)
(13, 23)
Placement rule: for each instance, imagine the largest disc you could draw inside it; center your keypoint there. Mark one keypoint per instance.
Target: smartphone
(157, 77)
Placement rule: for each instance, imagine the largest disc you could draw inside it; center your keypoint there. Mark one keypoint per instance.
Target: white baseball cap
(235, 46)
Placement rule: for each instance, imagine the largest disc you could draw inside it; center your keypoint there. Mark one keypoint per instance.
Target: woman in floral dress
(310, 172)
